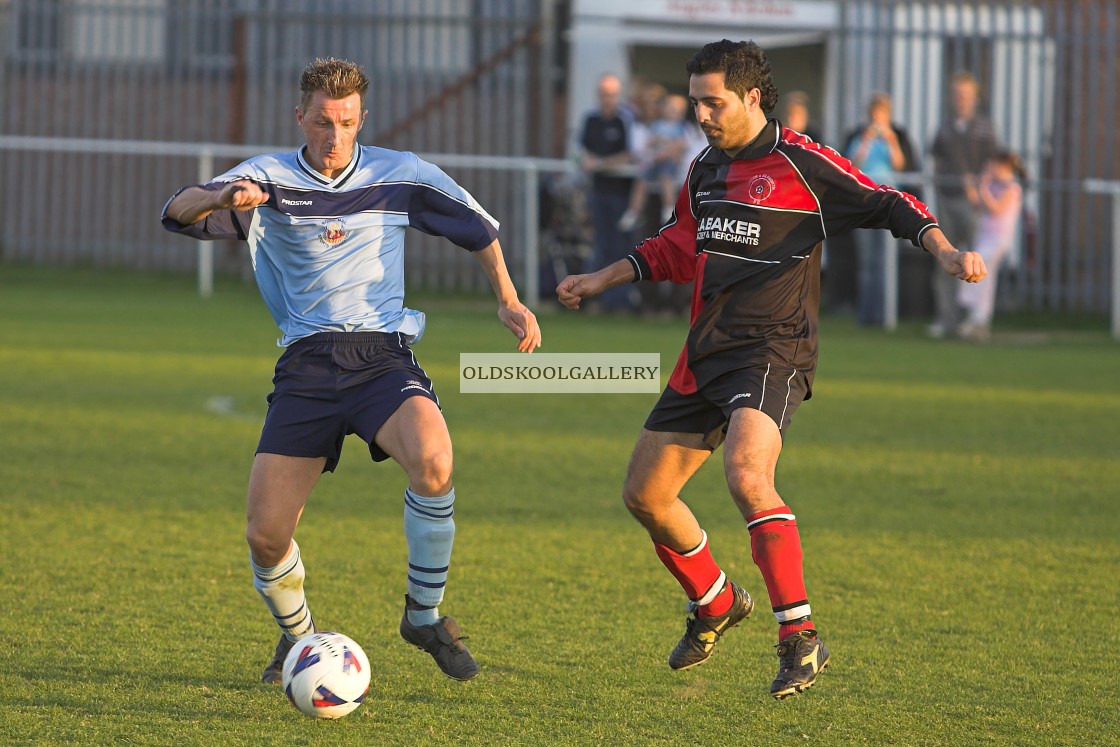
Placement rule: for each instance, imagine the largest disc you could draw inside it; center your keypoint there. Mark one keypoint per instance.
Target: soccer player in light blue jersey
(325, 227)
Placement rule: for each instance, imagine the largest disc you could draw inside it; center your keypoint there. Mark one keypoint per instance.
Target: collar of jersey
(763, 144)
(339, 180)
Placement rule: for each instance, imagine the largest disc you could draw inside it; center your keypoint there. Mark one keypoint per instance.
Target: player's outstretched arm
(515, 315)
(966, 266)
(575, 288)
(195, 203)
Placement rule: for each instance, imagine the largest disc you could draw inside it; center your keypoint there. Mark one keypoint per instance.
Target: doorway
(795, 68)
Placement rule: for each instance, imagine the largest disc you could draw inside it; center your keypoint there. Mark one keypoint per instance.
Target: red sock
(776, 549)
(700, 577)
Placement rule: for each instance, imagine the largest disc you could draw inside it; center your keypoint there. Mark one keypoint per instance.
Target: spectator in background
(665, 144)
(645, 101)
(797, 115)
(1001, 203)
(881, 149)
(961, 147)
(838, 253)
(607, 159)
(645, 105)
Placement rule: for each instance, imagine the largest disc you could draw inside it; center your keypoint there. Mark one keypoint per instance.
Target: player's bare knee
(631, 496)
(267, 551)
(644, 515)
(750, 487)
(431, 475)
(639, 501)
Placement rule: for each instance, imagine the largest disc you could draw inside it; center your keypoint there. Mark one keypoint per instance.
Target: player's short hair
(744, 66)
(336, 78)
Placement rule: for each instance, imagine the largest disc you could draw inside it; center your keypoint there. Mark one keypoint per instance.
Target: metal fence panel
(446, 76)
(480, 77)
(1048, 72)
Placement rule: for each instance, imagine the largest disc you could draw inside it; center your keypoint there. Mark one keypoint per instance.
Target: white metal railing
(529, 168)
(908, 180)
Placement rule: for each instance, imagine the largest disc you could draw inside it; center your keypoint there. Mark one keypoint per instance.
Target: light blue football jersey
(328, 254)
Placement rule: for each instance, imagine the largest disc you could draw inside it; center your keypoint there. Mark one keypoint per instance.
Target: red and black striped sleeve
(849, 199)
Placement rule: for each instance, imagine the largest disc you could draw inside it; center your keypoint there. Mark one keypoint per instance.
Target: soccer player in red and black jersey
(747, 231)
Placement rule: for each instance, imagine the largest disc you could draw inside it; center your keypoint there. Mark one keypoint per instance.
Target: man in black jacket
(608, 160)
(961, 148)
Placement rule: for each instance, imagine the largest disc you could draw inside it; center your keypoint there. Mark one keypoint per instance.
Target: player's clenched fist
(973, 269)
(575, 288)
(967, 266)
(241, 195)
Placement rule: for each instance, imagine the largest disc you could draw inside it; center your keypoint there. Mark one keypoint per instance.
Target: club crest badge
(760, 188)
(334, 233)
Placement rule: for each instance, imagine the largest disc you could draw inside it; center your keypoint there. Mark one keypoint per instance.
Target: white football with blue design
(326, 675)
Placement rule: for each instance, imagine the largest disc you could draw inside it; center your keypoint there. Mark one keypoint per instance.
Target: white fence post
(532, 236)
(1116, 261)
(890, 289)
(205, 248)
(1102, 186)
(889, 246)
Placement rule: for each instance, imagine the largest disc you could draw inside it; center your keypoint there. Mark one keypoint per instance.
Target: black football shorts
(772, 389)
(332, 384)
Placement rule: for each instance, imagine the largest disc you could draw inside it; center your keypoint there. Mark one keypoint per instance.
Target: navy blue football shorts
(332, 384)
(772, 389)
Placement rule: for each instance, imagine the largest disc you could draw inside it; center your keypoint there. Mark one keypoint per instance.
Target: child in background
(664, 151)
(1001, 205)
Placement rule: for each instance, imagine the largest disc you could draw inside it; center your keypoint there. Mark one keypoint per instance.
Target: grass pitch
(958, 507)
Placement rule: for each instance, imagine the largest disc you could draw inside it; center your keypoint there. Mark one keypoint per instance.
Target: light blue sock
(430, 531)
(423, 616)
(281, 588)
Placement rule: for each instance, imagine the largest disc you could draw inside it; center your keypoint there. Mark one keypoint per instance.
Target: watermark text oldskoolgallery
(560, 373)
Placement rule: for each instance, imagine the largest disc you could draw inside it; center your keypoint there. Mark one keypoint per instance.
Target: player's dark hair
(744, 66)
(336, 78)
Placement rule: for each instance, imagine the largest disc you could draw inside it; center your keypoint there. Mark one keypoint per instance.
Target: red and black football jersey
(748, 231)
